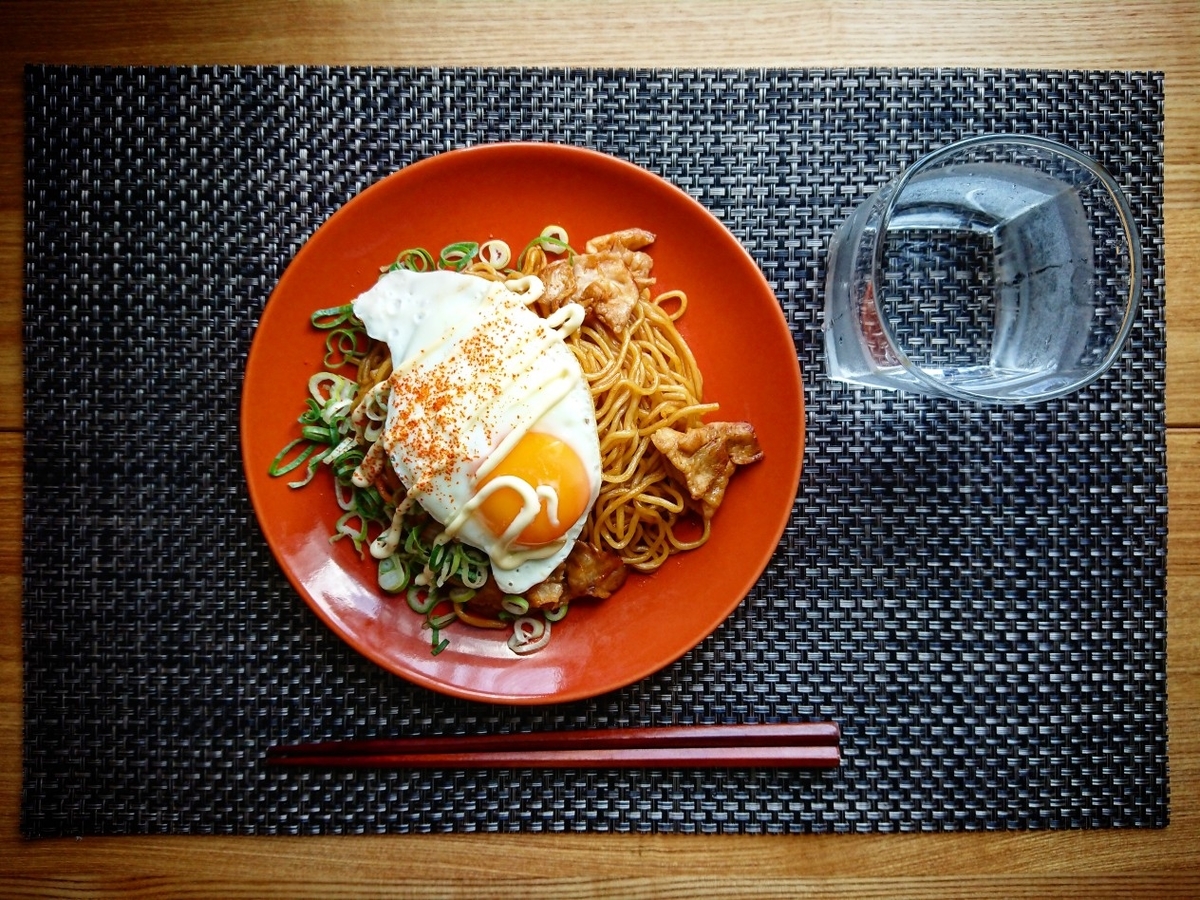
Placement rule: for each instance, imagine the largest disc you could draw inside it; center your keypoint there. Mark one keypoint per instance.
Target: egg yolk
(540, 461)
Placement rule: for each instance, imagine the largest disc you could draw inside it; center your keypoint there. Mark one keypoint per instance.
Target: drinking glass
(1000, 268)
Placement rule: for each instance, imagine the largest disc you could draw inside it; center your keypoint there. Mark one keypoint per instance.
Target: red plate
(733, 323)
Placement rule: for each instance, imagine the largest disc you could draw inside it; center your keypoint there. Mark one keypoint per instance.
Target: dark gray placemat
(976, 595)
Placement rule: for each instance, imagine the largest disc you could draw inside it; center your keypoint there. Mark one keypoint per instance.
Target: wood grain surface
(1021, 33)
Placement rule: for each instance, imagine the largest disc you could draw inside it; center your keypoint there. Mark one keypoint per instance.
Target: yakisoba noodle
(645, 380)
(640, 381)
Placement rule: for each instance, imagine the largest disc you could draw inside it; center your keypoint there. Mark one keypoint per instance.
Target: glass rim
(1124, 213)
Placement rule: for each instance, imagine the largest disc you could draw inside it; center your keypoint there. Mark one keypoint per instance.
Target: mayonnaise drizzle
(373, 462)
(385, 545)
(531, 504)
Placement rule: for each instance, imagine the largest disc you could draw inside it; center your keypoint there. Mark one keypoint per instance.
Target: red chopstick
(797, 745)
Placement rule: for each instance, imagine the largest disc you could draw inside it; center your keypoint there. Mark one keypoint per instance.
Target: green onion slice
(546, 242)
(439, 622)
(421, 599)
(515, 604)
(313, 462)
(344, 347)
(461, 594)
(333, 316)
(417, 259)
(393, 575)
(279, 467)
(457, 256)
(529, 635)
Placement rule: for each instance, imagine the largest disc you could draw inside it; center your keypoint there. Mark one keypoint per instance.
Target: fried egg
(490, 424)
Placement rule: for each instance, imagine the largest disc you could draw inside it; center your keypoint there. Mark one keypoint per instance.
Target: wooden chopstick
(778, 745)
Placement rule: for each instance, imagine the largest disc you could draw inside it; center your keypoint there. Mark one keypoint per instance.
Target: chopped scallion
(457, 256)
(333, 316)
(393, 575)
(515, 604)
(417, 259)
(278, 467)
(421, 600)
(461, 595)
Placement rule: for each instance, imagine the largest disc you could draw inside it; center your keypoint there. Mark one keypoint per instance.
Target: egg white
(474, 366)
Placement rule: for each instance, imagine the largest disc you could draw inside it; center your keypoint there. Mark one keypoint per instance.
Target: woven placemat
(976, 595)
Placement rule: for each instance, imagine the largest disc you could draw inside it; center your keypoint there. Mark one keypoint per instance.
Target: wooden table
(1129, 35)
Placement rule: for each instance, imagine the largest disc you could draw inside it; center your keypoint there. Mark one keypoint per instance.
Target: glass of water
(1001, 268)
